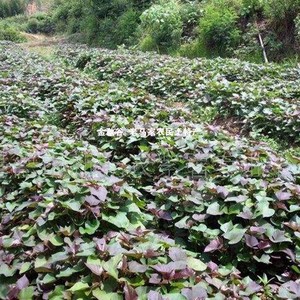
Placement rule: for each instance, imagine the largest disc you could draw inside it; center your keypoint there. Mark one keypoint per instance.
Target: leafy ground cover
(262, 98)
(187, 211)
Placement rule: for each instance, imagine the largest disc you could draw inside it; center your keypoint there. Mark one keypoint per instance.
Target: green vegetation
(211, 28)
(190, 211)
(40, 23)
(10, 8)
(162, 25)
(127, 174)
(10, 32)
(192, 28)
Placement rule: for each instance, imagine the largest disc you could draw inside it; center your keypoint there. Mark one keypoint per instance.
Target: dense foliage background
(228, 28)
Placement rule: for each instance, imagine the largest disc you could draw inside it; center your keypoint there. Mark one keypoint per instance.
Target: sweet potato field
(138, 176)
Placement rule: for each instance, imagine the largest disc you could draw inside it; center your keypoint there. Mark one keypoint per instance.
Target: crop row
(165, 216)
(262, 98)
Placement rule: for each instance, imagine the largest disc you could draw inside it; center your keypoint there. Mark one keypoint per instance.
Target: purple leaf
(177, 254)
(151, 253)
(113, 180)
(100, 244)
(154, 296)
(196, 293)
(199, 217)
(130, 293)
(251, 241)
(256, 229)
(155, 279)
(115, 249)
(282, 196)
(222, 191)
(92, 201)
(186, 273)
(164, 215)
(244, 181)
(97, 270)
(100, 192)
(135, 267)
(172, 266)
(22, 283)
(246, 215)
(212, 266)
(214, 245)
(264, 245)
(290, 253)
(287, 175)
(279, 237)
(253, 288)
(295, 288)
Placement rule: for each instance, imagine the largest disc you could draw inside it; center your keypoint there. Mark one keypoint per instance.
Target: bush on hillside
(218, 29)
(68, 16)
(40, 23)
(10, 8)
(162, 22)
(9, 33)
(282, 15)
(252, 8)
(126, 27)
(190, 13)
(297, 24)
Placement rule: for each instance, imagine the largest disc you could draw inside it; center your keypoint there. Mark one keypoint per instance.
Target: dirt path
(40, 43)
(35, 40)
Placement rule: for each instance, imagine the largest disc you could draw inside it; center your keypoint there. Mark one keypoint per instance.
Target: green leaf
(79, 286)
(57, 294)
(7, 271)
(102, 295)
(11, 206)
(235, 234)
(27, 293)
(72, 204)
(265, 259)
(111, 266)
(56, 240)
(120, 220)
(68, 272)
(49, 278)
(25, 267)
(42, 264)
(214, 209)
(264, 210)
(91, 227)
(196, 264)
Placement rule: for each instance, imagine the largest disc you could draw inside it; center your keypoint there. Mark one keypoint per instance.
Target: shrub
(148, 44)
(126, 27)
(218, 28)
(281, 10)
(102, 34)
(190, 13)
(40, 23)
(10, 8)
(297, 24)
(282, 15)
(162, 22)
(9, 33)
(250, 50)
(68, 16)
(252, 8)
(193, 49)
